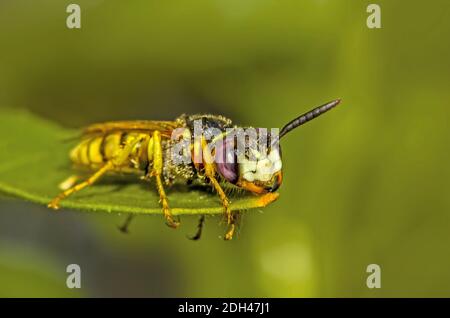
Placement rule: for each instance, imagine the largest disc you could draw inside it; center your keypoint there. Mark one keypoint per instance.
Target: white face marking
(262, 169)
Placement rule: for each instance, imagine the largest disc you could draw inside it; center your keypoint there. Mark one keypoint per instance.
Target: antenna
(303, 119)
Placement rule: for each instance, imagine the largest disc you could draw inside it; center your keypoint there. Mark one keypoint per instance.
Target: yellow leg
(69, 182)
(230, 232)
(54, 204)
(233, 226)
(119, 159)
(223, 197)
(156, 172)
(226, 204)
(210, 172)
(165, 204)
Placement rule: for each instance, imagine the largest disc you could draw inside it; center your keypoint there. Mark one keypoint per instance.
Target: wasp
(147, 148)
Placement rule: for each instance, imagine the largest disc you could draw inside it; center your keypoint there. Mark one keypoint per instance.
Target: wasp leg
(124, 227)
(165, 204)
(118, 160)
(201, 223)
(223, 197)
(231, 228)
(54, 204)
(69, 182)
(226, 204)
(157, 172)
(210, 172)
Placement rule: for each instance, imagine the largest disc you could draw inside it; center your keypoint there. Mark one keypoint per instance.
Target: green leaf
(35, 160)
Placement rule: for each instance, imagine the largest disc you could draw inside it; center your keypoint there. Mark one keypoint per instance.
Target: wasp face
(253, 170)
(262, 174)
(256, 170)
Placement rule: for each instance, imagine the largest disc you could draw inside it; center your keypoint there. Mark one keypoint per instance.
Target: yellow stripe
(83, 152)
(95, 156)
(95, 151)
(74, 154)
(111, 145)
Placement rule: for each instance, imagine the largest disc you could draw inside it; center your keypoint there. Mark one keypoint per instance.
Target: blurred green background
(367, 183)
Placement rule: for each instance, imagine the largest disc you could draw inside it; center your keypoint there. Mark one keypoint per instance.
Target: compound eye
(226, 160)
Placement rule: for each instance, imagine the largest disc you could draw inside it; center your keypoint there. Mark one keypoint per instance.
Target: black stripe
(123, 137)
(88, 151)
(102, 149)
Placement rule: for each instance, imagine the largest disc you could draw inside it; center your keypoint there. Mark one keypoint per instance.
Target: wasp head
(250, 163)
(244, 163)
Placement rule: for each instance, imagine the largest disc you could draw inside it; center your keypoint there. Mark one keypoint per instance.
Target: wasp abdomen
(95, 151)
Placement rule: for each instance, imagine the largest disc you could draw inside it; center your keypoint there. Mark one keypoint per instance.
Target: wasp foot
(54, 204)
(230, 232)
(170, 221)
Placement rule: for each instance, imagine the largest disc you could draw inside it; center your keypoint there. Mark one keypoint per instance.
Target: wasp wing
(146, 126)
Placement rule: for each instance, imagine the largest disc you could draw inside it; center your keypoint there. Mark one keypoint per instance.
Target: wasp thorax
(247, 157)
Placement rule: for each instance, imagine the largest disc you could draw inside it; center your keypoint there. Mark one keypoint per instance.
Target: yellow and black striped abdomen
(95, 151)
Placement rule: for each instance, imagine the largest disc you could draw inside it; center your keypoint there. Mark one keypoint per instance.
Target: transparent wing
(146, 126)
